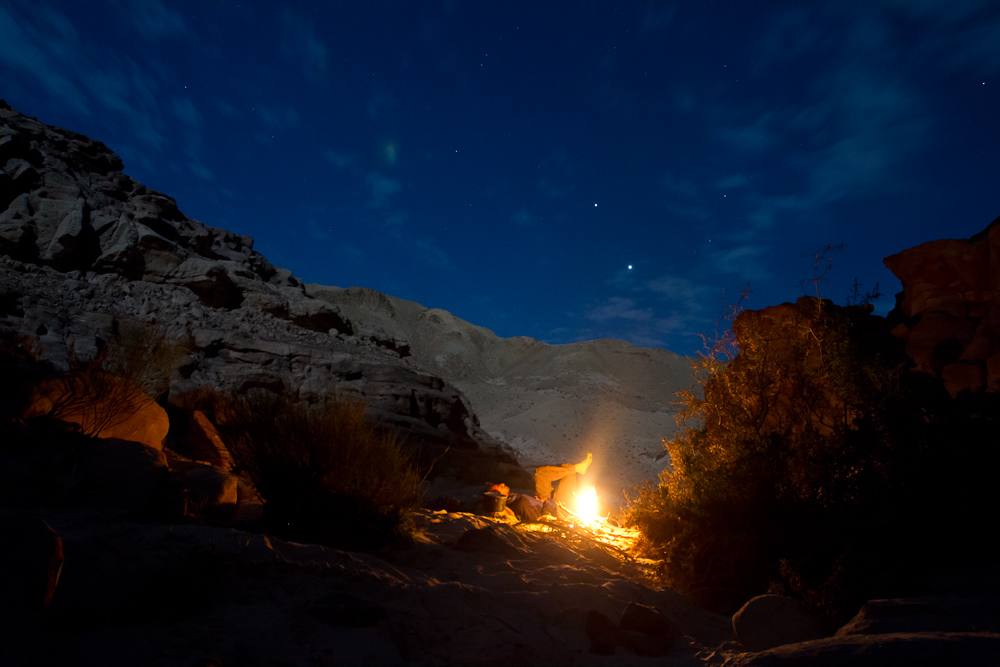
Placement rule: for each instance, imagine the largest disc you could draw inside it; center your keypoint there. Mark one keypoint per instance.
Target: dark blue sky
(508, 161)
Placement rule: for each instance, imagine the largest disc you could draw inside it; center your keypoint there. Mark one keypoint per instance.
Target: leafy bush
(326, 474)
(815, 464)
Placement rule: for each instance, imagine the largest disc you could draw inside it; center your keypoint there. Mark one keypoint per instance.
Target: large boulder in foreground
(767, 621)
(948, 310)
(101, 405)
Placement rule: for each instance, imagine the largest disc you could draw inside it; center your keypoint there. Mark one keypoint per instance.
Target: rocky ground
(471, 590)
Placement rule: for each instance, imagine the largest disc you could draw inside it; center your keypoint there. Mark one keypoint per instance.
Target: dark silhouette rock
(930, 649)
(948, 313)
(648, 632)
(119, 474)
(767, 621)
(101, 405)
(979, 613)
(602, 633)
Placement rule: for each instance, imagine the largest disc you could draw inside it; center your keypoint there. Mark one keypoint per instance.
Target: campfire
(585, 521)
(586, 506)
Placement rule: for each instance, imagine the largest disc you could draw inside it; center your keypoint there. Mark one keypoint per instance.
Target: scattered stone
(649, 632)
(767, 621)
(602, 633)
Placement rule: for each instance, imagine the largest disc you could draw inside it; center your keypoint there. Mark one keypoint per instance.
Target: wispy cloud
(522, 218)
(303, 48)
(966, 32)
(277, 116)
(618, 308)
(382, 189)
(338, 159)
(666, 311)
(746, 261)
(31, 48)
(184, 109)
(430, 253)
(154, 20)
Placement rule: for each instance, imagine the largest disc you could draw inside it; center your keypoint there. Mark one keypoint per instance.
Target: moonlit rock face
(550, 403)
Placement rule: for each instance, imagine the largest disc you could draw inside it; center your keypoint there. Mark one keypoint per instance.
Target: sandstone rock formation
(949, 309)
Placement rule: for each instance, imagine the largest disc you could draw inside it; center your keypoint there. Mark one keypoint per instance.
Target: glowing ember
(586, 505)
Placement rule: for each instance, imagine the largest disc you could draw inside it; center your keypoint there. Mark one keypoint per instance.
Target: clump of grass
(144, 355)
(326, 474)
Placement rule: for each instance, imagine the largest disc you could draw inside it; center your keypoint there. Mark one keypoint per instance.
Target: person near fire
(553, 484)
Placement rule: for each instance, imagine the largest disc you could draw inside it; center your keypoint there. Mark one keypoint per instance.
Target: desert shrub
(143, 354)
(129, 373)
(326, 473)
(815, 463)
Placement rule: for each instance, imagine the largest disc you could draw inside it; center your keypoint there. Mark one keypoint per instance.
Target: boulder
(207, 490)
(205, 443)
(101, 405)
(602, 632)
(928, 649)
(948, 311)
(980, 613)
(120, 474)
(30, 564)
(647, 632)
(767, 621)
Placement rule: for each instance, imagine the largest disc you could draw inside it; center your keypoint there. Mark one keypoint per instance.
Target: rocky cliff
(84, 247)
(949, 310)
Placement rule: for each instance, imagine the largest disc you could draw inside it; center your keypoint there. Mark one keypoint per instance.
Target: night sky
(560, 170)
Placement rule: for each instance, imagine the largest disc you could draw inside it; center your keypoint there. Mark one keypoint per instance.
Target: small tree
(795, 440)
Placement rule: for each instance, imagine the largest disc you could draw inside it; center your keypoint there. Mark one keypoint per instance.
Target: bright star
(629, 267)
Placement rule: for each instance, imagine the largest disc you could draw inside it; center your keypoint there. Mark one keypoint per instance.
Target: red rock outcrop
(949, 309)
(101, 405)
